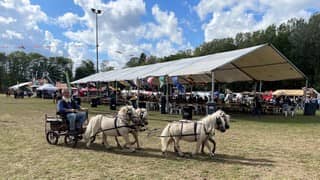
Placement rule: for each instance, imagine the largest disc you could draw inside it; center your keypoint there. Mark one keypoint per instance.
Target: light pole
(97, 11)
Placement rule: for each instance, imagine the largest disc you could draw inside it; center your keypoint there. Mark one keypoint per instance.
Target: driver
(70, 109)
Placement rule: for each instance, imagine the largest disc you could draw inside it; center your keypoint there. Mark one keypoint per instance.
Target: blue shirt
(62, 106)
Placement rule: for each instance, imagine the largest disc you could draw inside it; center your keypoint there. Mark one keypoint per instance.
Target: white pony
(120, 126)
(193, 131)
(143, 117)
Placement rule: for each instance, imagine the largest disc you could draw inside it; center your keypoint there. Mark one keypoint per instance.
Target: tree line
(297, 39)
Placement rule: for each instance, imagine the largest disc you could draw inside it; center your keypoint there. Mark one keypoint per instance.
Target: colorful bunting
(178, 85)
(161, 81)
(150, 81)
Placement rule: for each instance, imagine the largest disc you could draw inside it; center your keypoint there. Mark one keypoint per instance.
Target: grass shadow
(277, 119)
(149, 152)
(230, 159)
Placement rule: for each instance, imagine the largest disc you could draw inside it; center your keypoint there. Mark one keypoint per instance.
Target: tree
(151, 60)
(105, 67)
(18, 71)
(85, 69)
(142, 58)
(134, 61)
(3, 72)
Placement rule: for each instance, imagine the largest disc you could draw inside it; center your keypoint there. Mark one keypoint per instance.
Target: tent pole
(138, 91)
(99, 85)
(305, 91)
(260, 86)
(212, 86)
(255, 88)
(116, 92)
(88, 92)
(167, 95)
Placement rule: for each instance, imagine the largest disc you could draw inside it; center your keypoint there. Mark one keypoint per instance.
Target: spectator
(257, 105)
(133, 101)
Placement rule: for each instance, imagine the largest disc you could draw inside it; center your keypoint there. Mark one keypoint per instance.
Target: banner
(161, 81)
(177, 84)
(150, 81)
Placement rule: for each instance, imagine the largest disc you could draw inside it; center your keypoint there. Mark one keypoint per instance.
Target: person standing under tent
(257, 105)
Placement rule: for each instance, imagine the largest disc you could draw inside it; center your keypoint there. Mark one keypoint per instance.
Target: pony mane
(124, 109)
(142, 110)
(209, 117)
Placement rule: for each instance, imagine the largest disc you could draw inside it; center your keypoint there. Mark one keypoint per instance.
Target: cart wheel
(71, 140)
(52, 137)
(213, 145)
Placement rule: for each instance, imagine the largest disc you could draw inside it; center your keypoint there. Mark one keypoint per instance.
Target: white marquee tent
(258, 63)
(17, 86)
(47, 87)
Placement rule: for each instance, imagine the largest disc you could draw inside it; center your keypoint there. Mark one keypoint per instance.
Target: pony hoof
(212, 155)
(132, 150)
(139, 148)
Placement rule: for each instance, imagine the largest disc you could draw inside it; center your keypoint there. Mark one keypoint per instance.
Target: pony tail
(165, 131)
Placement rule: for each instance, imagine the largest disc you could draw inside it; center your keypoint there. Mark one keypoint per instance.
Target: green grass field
(270, 147)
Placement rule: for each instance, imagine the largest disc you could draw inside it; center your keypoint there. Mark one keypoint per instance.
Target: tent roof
(288, 92)
(262, 62)
(48, 87)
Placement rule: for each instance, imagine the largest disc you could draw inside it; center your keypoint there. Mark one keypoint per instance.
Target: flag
(177, 84)
(161, 81)
(143, 83)
(175, 80)
(150, 80)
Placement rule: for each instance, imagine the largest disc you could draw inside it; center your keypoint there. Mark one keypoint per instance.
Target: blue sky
(157, 27)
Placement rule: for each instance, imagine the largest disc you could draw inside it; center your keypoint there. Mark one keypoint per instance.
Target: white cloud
(120, 29)
(166, 48)
(77, 51)
(20, 26)
(229, 17)
(167, 26)
(53, 43)
(68, 20)
(6, 20)
(118, 26)
(12, 35)
(208, 6)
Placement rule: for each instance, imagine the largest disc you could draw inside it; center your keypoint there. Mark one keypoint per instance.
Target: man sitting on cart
(69, 109)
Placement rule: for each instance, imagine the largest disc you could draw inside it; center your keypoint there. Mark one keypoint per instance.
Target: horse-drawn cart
(57, 126)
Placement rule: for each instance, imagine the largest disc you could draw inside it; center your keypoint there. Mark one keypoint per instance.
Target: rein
(115, 125)
(195, 134)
